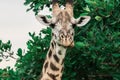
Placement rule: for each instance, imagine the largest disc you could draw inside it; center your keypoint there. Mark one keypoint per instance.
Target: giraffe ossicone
(62, 24)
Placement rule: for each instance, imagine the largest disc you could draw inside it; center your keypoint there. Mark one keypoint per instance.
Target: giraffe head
(63, 23)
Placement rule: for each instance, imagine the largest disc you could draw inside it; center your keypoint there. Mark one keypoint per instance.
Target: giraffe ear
(44, 20)
(82, 21)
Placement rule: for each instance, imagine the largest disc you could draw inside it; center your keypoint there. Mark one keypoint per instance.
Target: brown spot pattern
(50, 53)
(53, 67)
(53, 76)
(56, 58)
(59, 52)
(46, 65)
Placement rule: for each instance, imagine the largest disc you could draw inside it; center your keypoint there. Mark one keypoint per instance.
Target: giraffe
(62, 24)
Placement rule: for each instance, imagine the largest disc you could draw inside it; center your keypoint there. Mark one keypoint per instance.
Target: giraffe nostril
(62, 36)
(66, 39)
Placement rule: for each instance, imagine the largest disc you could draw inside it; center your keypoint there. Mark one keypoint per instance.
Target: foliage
(27, 65)
(5, 53)
(5, 50)
(96, 55)
(9, 74)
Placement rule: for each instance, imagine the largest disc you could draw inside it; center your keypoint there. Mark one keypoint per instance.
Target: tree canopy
(96, 54)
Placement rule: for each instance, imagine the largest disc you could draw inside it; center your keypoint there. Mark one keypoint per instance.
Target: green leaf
(116, 55)
(19, 52)
(98, 18)
(116, 75)
(27, 2)
(79, 45)
(37, 5)
(38, 47)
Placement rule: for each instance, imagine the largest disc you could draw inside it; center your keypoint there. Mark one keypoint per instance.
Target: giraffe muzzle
(68, 44)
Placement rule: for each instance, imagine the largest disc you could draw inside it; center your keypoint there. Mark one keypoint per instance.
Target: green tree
(5, 53)
(96, 55)
(97, 48)
(5, 50)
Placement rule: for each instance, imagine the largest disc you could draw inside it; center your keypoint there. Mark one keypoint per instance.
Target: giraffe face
(62, 31)
(62, 26)
(63, 35)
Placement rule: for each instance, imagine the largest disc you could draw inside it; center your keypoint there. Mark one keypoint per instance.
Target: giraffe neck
(54, 63)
